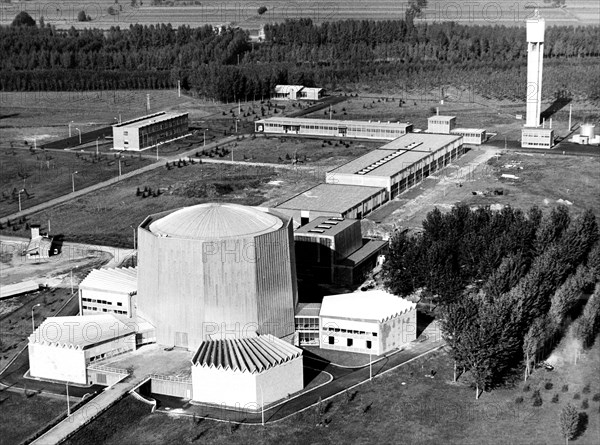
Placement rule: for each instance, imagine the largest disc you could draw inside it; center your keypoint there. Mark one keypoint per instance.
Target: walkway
(89, 411)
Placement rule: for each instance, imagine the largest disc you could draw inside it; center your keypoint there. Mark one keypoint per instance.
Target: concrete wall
(171, 388)
(112, 297)
(57, 363)
(359, 341)
(218, 288)
(398, 331)
(279, 382)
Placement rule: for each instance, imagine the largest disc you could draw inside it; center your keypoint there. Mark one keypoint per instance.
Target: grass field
(195, 13)
(106, 216)
(420, 411)
(23, 415)
(46, 175)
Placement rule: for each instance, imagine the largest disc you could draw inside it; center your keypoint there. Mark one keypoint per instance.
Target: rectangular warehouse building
(333, 128)
(149, 131)
(108, 290)
(333, 200)
(447, 125)
(399, 164)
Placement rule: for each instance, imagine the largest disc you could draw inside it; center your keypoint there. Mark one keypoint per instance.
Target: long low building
(333, 200)
(399, 164)
(149, 131)
(333, 128)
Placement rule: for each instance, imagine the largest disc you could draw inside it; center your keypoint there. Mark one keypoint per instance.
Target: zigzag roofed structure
(108, 290)
(246, 372)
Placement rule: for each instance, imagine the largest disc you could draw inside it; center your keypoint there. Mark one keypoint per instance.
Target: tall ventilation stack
(533, 134)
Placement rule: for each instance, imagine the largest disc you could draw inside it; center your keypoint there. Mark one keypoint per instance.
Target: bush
(585, 404)
(555, 398)
(548, 385)
(519, 400)
(526, 388)
(82, 17)
(586, 389)
(537, 400)
(576, 396)
(565, 388)
(596, 397)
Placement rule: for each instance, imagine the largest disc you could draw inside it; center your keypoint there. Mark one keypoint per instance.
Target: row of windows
(94, 308)
(91, 300)
(537, 144)
(348, 331)
(335, 128)
(349, 342)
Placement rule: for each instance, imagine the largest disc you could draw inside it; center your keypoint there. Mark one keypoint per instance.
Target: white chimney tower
(536, 26)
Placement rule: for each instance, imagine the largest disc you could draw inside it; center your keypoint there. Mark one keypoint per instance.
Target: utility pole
(570, 113)
(179, 88)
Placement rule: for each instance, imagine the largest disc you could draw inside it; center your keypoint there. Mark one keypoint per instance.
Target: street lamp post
(73, 180)
(236, 127)
(20, 191)
(119, 168)
(70, 128)
(97, 146)
(79, 135)
(68, 401)
(32, 318)
(204, 143)
(134, 246)
(262, 405)
(370, 367)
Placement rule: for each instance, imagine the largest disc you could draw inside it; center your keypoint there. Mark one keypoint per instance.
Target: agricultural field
(45, 174)
(106, 216)
(245, 14)
(403, 403)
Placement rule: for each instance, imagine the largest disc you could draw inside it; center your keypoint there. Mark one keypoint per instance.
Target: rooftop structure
(374, 305)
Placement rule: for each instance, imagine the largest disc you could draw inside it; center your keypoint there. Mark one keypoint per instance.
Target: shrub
(565, 388)
(82, 17)
(585, 404)
(555, 398)
(596, 397)
(586, 389)
(537, 400)
(526, 388)
(548, 385)
(519, 400)
(576, 396)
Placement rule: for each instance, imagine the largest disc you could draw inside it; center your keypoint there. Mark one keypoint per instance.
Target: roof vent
(317, 231)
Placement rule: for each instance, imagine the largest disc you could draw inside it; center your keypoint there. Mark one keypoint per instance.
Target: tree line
(508, 283)
(223, 64)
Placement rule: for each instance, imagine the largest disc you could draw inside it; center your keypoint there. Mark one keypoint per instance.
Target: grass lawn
(106, 216)
(422, 411)
(24, 415)
(45, 175)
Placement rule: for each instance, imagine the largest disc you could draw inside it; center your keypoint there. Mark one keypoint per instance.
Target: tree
(261, 10)
(82, 17)
(588, 324)
(569, 422)
(23, 19)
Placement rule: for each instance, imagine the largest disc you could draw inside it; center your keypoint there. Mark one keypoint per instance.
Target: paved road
(83, 191)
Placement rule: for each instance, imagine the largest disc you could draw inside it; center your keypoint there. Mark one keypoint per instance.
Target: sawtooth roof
(375, 305)
(122, 280)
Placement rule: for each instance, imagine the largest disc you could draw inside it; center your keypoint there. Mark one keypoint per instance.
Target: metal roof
(399, 154)
(216, 221)
(442, 117)
(325, 226)
(251, 354)
(376, 305)
(467, 130)
(284, 89)
(80, 332)
(333, 122)
(336, 198)
(149, 119)
(10, 290)
(368, 249)
(122, 280)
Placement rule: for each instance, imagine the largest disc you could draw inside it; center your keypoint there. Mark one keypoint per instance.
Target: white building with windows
(149, 131)
(109, 290)
(372, 322)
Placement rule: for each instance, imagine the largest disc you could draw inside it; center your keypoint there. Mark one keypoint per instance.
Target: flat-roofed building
(333, 200)
(108, 290)
(246, 373)
(307, 324)
(332, 250)
(475, 136)
(441, 124)
(373, 322)
(399, 164)
(61, 348)
(149, 131)
(532, 137)
(333, 128)
(296, 92)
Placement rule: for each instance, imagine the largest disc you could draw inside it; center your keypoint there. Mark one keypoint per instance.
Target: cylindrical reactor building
(215, 271)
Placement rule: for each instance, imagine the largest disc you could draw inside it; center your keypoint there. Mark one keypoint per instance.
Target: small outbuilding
(373, 322)
(246, 373)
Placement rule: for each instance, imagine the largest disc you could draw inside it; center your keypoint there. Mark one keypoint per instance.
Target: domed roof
(215, 220)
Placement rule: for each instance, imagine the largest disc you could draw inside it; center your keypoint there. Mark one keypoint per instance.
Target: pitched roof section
(122, 280)
(253, 354)
(377, 305)
(80, 332)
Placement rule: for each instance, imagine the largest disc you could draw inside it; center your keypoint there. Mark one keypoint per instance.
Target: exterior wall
(443, 126)
(475, 138)
(366, 330)
(57, 363)
(110, 348)
(104, 377)
(192, 290)
(221, 387)
(535, 56)
(537, 138)
(136, 138)
(348, 241)
(244, 389)
(174, 388)
(91, 302)
(333, 129)
(398, 331)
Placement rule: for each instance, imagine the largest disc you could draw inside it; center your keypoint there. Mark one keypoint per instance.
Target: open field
(106, 216)
(46, 175)
(420, 411)
(24, 414)
(194, 13)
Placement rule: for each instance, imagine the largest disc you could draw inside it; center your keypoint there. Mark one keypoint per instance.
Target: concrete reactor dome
(216, 271)
(216, 221)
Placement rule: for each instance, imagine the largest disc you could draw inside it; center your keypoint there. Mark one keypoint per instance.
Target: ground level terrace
(333, 128)
(400, 164)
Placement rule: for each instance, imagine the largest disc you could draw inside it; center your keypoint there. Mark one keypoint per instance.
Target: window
(331, 340)
(368, 344)
(119, 304)
(349, 342)
(125, 133)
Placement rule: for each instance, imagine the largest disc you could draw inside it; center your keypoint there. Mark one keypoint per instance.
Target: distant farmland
(63, 14)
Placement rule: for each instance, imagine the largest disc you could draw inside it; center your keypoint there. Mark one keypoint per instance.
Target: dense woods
(223, 64)
(508, 283)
